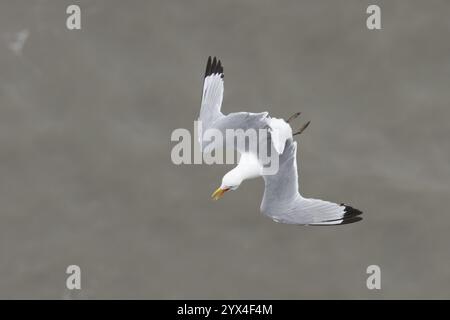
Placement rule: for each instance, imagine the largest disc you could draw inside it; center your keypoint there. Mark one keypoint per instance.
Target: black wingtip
(213, 66)
(351, 220)
(350, 211)
(208, 67)
(350, 214)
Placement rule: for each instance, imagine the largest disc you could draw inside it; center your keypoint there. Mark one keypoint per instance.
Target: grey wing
(283, 202)
(317, 212)
(238, 124)
(211, 116)
(212, 94)
(281, 188)
(242, 121)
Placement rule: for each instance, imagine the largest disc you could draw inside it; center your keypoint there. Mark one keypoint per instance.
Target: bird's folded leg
(295, 115)
(302, 128)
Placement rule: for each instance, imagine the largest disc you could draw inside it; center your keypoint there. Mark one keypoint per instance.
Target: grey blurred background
(86, 176)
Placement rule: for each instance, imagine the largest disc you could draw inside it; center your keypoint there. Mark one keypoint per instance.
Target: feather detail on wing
(283, 202)
(212, 93)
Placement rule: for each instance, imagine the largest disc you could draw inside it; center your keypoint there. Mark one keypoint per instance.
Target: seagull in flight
(282, 201)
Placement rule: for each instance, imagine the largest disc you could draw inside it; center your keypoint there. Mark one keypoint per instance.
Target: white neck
(247, 168)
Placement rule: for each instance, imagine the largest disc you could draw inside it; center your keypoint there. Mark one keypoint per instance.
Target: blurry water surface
(86, 176)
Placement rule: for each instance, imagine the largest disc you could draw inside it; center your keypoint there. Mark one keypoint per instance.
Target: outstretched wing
(212, 118)
(283, 202)
(212, 94)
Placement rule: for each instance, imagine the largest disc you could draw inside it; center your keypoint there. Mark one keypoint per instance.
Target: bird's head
(230, 181)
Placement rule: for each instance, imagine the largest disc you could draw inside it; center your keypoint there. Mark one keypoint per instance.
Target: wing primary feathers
(350, 220)
(208, 67)
(220, 69)
(350, 212)
(350, 215)
(214, 66)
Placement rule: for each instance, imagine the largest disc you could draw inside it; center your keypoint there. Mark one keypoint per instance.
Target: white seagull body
(282, 201)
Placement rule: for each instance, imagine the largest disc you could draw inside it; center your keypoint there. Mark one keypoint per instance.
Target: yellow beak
(219, 193)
